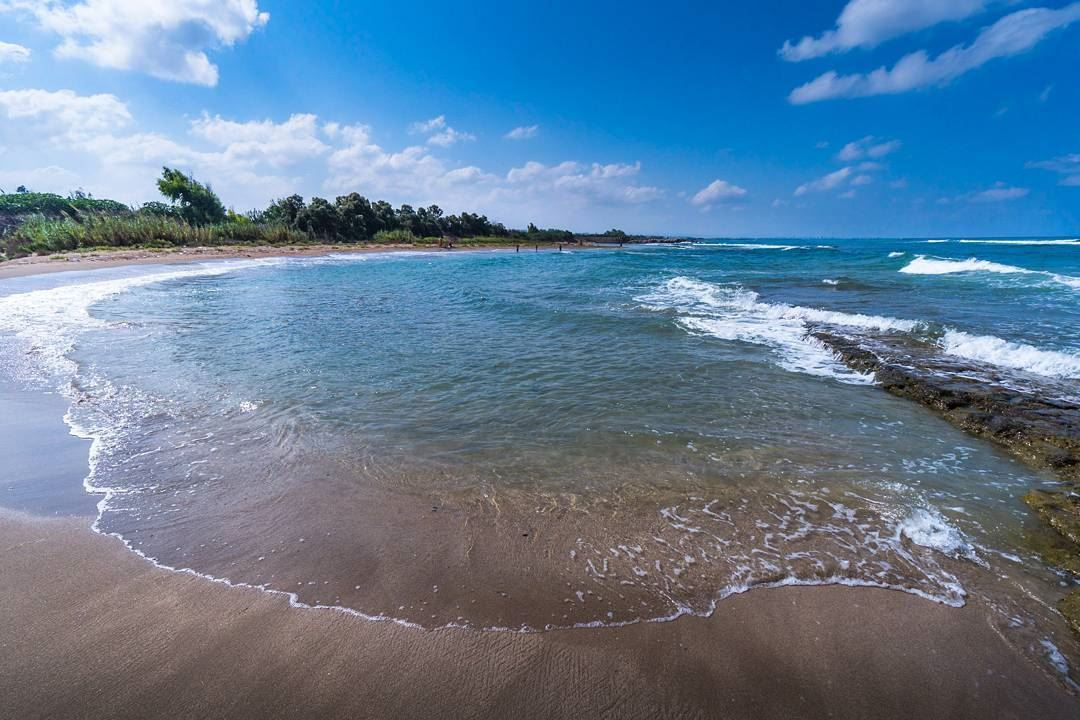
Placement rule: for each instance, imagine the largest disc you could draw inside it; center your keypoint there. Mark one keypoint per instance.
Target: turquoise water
(544, 439)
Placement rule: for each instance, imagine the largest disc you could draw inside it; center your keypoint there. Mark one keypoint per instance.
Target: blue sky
(868, 117)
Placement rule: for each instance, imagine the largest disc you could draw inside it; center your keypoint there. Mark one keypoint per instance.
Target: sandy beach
(98, 259)
(90, 630)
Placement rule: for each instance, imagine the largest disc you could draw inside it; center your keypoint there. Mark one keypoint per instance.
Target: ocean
(537, 440)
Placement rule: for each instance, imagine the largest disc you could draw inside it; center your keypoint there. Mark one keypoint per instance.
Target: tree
(283, 211)
(196, 202)
(21, 189)
(356, 217)
(320, 219)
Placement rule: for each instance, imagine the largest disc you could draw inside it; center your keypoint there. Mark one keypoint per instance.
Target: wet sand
(89, 630)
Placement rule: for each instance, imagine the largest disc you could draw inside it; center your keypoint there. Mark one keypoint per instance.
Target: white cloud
(868, 147)
(1068, 166)
(867, 23)
(50, 176)
(823, 184)
(60, 140)
(439, 132)
(525, 132)
(276, 144)
(1045, 94)
(62, 114)
(717, 191)
(609, 184)
(428, 126)
(168, 40)
(860, 180)
(12, 53)
(1011, 35)
(449, 136)
(1000, 192)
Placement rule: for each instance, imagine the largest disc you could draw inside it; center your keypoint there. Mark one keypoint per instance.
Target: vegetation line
(194, 216)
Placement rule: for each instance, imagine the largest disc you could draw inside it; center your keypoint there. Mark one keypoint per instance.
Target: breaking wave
(923, 265)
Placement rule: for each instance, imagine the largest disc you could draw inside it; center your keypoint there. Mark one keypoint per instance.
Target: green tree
(356, 217)
(196, 202)
(320, 219)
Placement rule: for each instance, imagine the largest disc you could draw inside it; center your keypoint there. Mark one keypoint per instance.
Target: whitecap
(1017, 356)
(923, 265)
(1070, 241)
(734, 313)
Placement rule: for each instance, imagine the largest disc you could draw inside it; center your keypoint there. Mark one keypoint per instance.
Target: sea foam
(1017, 356)
(735, 313)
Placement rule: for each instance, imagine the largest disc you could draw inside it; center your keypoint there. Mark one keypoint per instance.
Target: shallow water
(531, 440)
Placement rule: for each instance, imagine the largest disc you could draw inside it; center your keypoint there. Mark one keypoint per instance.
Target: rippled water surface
(502, 439)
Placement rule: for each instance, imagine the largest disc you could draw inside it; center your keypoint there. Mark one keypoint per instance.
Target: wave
(47, 322)
(897, 254)
(734, 313)
(1016, 356)
(1072, 241)
(923, 265)
(762, 246)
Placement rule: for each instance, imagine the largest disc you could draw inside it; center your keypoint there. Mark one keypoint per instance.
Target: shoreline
(100, 259)
(93, 630)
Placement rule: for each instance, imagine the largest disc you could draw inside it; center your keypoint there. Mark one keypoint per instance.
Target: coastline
(91, 630)
(99, 259)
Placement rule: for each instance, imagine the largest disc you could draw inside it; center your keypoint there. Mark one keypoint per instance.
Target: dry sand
(89, 630)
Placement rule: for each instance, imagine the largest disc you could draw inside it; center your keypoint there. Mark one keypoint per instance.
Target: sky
(825, 119)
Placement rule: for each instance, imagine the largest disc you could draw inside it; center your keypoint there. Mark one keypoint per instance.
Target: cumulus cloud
(168, 40)
(867, 23)
(1011, 35)
(12, 53)
(717, 191)
(868, 147)
(276, 144)
(63, 114)
(823, 184)
(1068, 166)
(439, 133)
(62, 140)
(525, 132)
(610, 184)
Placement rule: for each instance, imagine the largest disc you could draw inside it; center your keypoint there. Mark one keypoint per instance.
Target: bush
(395, 237)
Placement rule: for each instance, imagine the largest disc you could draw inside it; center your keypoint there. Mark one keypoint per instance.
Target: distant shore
(105, 258)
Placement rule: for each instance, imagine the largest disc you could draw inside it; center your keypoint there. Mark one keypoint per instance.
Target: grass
(42, 236)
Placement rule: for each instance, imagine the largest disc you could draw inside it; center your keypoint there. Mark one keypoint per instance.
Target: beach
(91, 629)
